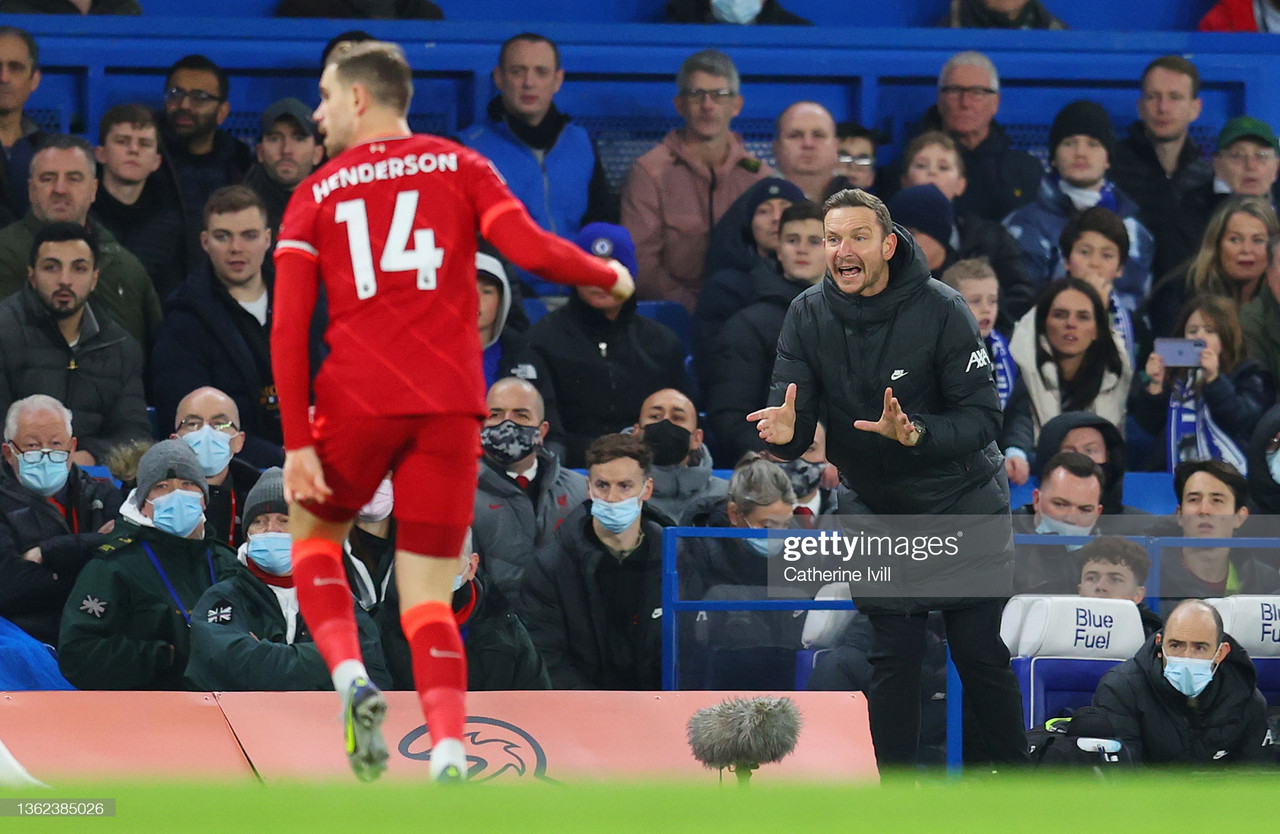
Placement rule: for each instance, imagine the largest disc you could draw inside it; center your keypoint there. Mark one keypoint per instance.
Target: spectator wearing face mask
(1189, 696)
(246, 632)
(741, 12)
(127, 621)
(681, 470)
(1068, 502)
(523, 493)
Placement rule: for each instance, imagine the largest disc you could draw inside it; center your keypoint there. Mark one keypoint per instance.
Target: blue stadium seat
(1254, 622)
(673, 315)
(534, 308)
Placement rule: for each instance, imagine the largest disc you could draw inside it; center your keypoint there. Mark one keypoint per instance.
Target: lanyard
(164, 577)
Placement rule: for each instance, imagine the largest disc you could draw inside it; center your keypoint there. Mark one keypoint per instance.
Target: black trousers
(981, 658)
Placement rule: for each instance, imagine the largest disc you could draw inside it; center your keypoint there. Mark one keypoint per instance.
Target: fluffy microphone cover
(743, 733)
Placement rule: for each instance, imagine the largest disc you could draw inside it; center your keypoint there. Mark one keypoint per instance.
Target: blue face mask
(1273, 465)
(458, 583)
(1188, 675)
(178, 513)
(616, 516)
(1052, 527)
(736, 11)
(272, 552)
(45, 477)
(212, 448)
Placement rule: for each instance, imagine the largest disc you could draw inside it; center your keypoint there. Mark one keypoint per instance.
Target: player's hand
(777, 424)
(893, 423)
(34, 555)
(1017, 469)
(304, 477)
(625, 286)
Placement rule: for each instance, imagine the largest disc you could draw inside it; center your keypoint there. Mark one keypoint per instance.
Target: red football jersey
(392, 226)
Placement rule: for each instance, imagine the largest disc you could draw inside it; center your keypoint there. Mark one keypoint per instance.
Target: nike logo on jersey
(441, 654)
(657, 614)
(898, 374)
(978, 359)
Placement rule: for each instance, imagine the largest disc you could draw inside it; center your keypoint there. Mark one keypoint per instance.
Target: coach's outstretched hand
(304, 476)
(625, 286)
(893, 423)
(777, 424)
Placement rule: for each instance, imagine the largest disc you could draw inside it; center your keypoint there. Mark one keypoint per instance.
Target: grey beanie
(267, 496)
(171, 458)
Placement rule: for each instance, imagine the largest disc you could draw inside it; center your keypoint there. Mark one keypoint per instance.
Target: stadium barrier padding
(551, 736)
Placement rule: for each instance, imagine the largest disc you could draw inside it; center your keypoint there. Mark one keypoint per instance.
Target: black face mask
(507, 442)
(804, 476)
(669, 442)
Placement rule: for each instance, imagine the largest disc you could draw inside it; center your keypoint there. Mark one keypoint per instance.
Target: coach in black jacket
(878, 322)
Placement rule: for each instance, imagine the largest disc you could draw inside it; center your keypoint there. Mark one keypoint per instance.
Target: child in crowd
(1095, 249)
(974, 279)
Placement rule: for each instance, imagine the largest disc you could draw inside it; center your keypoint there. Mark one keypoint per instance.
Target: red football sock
(324, 599)
(439, 667)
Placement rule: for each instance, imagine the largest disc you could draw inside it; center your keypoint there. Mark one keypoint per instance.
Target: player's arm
(296, 291)
(508, 226)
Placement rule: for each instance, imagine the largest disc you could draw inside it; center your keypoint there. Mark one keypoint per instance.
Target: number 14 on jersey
(424, 258)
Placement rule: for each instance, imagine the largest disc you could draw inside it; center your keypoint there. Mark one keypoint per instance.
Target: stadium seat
(535, 308)
(673, 315)
(1065, 644)
(1254, 622)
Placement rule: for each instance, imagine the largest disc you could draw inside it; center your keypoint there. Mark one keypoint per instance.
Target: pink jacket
(670, 203)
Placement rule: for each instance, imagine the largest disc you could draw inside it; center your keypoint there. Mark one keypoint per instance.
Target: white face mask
(736, 11)
(1051, 526)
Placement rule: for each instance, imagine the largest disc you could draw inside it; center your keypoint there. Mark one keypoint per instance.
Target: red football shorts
(434, 460)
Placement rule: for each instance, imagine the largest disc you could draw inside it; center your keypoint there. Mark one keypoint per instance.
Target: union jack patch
(220, 615)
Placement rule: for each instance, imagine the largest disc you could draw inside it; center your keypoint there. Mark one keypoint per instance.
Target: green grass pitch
(1040, 802)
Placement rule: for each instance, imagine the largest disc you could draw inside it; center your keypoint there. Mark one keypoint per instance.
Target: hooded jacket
(1055, 431)
(1264, 492)
(31, 594)
(675, 486)
(511, 524)
(1037, 227)
(737, 373)
(1226, 725)
(568, 616)
(1037, 397)
(100, 379)
(602, 370)
(670, 203)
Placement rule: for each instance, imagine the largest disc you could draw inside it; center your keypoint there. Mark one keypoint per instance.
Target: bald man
(208, 420)
(523, 493)
(681, 470)
(1189, 696)
(805, 147)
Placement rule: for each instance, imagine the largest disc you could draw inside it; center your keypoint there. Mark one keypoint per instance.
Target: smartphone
(1180, 353)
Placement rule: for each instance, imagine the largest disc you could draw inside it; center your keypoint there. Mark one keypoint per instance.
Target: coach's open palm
(777, 424)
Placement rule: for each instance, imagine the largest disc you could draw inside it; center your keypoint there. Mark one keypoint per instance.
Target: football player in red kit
(389, 228)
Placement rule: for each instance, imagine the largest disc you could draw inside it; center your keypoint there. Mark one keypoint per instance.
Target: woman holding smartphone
(1207, 410)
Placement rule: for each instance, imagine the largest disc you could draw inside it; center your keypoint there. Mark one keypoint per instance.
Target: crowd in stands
(1127, 298)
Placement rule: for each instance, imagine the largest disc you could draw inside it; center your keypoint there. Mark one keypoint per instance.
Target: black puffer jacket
(568, 616)
(31, 594)
(918, 337)
(1225, 726)
(100, 379)
(1264, 492)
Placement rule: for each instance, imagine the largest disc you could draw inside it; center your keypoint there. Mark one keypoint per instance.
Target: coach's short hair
(857, 198)
(380, 67)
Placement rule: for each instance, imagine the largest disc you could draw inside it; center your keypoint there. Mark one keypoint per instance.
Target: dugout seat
(1254, 622)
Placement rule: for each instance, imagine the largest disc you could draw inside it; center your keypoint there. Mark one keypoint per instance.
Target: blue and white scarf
(1122, 323)
(1193, 435)
(1006, 369)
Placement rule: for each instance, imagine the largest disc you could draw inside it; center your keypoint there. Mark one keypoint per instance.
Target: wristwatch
(920, 429)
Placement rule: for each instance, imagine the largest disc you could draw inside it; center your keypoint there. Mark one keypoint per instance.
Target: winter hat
(267, 496)
(1246, 127)
(605, 240)
(172, 458)
(1083, 118)
(925, 209)
(773, 188)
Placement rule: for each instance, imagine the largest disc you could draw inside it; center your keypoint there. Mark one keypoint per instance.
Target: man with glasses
(201, 157)
(53, 340)
(856, 154)
(218, 325)
(1000, 178)
(678, 190)
(209, 422)
(53, 515)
